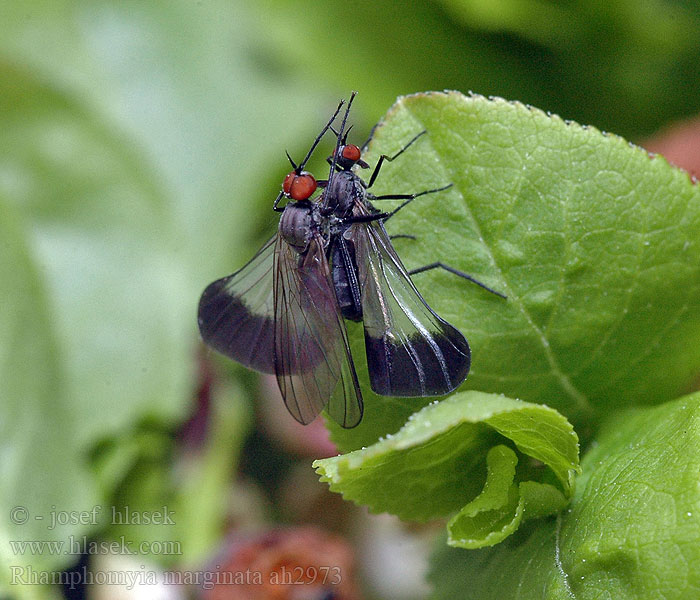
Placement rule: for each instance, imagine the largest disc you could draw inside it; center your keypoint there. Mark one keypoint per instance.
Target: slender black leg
(382, 216)
(352, 281)
(275, 206)
(462, 274)
(406, 197)
(345, 135)
(402, 236)
(369, 138)
(318, 139)
(384, 157)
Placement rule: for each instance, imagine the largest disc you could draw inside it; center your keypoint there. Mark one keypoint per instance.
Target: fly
(332, 260)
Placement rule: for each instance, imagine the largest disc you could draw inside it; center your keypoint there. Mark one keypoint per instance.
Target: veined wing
(236, 313)
(313, 364)
(411, 351)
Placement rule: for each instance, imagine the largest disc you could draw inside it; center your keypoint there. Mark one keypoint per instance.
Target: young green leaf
(502, 505)
(595, 243)
(632, 530)
(437, 464)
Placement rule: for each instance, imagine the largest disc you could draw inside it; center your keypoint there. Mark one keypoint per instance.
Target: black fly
(331, 260)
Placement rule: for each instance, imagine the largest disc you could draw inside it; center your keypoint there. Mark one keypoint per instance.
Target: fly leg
(407, 198)
(384, 157)
(462, 274)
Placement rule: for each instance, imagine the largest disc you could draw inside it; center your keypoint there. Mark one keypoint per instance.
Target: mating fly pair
(331, 260)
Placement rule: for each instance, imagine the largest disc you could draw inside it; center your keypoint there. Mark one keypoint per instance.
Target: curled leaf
(438, 462)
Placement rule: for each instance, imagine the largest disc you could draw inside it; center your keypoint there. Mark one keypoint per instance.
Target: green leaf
(437, 463)
(631, 531)
(595, 243)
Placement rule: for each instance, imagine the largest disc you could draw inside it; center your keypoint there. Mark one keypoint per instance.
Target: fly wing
(236, 313)
(411, 351)
(313, 364)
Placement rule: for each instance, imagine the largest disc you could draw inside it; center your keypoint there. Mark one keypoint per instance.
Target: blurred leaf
(124, 131)
(421, 48)
(437, 463)
(36, 479)
(141, 512)
(201, 505)
(129, 182)
(596, 245)
(658, 25)
(191, 91)
(623, 66)
(104, 238)
(632, 530)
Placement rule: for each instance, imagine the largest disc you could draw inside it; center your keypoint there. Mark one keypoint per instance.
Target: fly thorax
(346, 188)
(297, 225)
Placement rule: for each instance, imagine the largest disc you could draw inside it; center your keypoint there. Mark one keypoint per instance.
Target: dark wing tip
(418, 366)
(226, 325)
(210, 306)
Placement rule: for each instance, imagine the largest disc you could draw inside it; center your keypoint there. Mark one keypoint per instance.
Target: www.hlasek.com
(82, 545)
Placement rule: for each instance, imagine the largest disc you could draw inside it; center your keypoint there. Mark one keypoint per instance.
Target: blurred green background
(141, 145)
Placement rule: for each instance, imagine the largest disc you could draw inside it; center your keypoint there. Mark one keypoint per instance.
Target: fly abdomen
(296, 225)
(345, 279)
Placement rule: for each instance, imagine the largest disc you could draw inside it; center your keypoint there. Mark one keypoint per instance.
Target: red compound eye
(287, 185)
(351, 152)
(299, 186)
